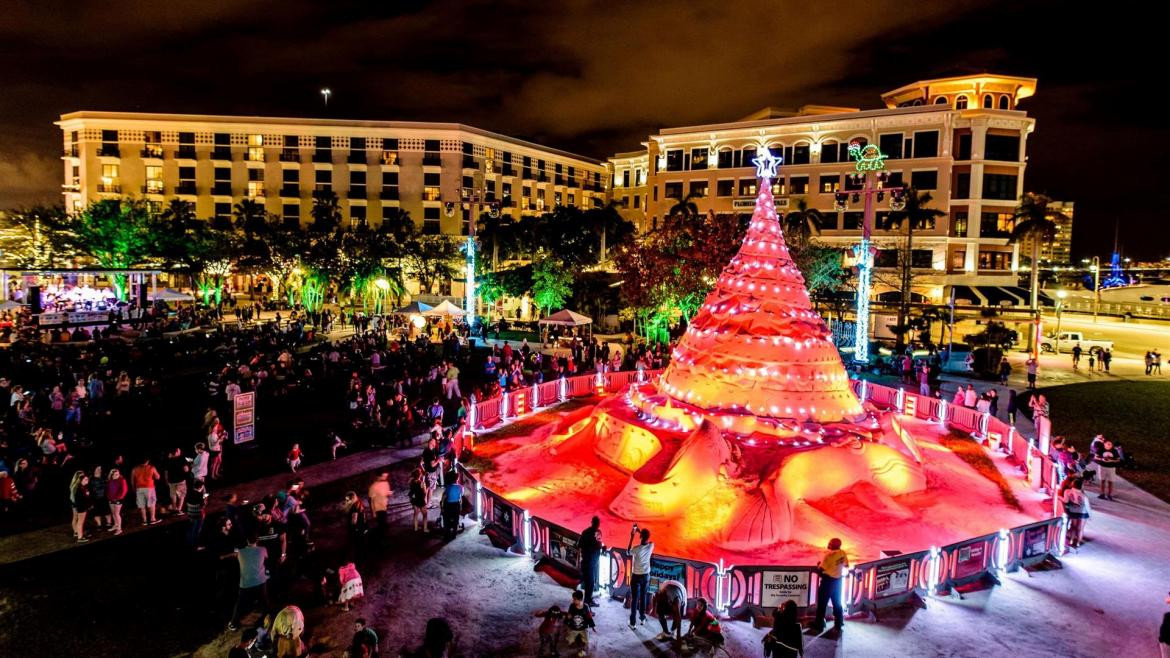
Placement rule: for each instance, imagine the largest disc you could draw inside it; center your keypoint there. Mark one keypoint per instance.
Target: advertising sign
(661, 570)
(776, 587)
(892, 578)
(244, 407)
(969, 559)
(502, 513)
(1035, 541)
(564, 547)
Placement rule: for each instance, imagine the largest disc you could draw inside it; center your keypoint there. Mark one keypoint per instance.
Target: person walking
(355, 523)
(639, 573)
(1076, 356)
(831, 569)
(176, 470)
(379, 494)
(143, 478)
(1106, 358)
(1076, 506)
(590, 556)
(786, 639)
(253, 581)
(195, 506)
(79, 498)
(1033, 368)
(452, 505)
(419, 499)
(1005, 370)
(578, 621)
(116, 491)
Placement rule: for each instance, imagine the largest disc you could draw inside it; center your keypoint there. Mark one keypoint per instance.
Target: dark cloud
(587, 75)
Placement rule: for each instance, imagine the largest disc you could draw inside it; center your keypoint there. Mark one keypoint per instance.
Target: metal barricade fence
(890, 581)
(488, 412)
(700, 579)
(758, 590)
(547, 393)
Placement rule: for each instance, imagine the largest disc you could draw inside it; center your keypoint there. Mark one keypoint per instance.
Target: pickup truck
(1068, 339)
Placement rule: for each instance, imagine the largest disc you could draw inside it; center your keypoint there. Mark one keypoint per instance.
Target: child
(578, 621)
(550, 631)
(294, 457)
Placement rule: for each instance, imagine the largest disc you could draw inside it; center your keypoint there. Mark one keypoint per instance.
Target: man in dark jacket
(590, 555)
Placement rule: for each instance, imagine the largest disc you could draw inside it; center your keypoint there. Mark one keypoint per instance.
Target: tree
(499, 232)
(116, 234)
(801, 224)
(685, 209)
(609, 227)
(250, 216)
(914, 214)
(1035, 220)
(820, 265)
(433, 258)
(552, 283)
(200, 250)
(36, 237)
(326, 212)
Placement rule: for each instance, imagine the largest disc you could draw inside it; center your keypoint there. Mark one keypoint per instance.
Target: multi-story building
(440, 172)
(1058, 252)
(961, 139)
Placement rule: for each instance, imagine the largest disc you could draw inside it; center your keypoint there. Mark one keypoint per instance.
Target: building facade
(961, 139)
(441, 173)
(1058, 252)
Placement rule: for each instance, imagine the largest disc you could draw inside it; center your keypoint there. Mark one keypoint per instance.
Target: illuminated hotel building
(963, 139)
(437, 172)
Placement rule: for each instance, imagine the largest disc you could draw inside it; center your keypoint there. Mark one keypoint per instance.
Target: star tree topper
(766, 164)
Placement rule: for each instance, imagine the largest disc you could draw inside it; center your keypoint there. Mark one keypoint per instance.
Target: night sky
(597, 77)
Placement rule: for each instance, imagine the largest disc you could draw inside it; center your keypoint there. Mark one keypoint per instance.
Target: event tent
(446, 308)
(9, 305)
(566, 318)
(414, 308)
(169, 295)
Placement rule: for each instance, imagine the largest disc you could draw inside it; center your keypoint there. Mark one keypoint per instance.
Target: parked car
(1068, 339)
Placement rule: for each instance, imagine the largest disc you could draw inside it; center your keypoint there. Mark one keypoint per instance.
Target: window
(573, 200)
(223, 180)
(996, 224)
(926, 144)
(109, 143)
(886, 258)
(963, 185)
(109, 181)
(1004, 102)
(699, 158)
(959, 224)
(290, 176)
(154, 182)
(357, 184)
(324, 146)
(390, 185)
(798, 184)
(961, 103)
(699, 187)
(747, 187)
(431, 221)
(801, 155)
(747, 155)
(958, 259)
(999, 186)
(941, 100)
(290, 213)
(891, 145)
(672, 191)
(431, 182)
(357, 143)
(726, 158)
(830, 183)
(637, 200)
(987, 102)
(963, 152)
(223, 211)
(853, 183)
(922, 258)
(1002, 147)
(829, 152)
(324, 179)
(187, 145)
(674, 160)
(256, 148)
(995, 260)
(255, 183)
(357, 215)
(186, 180)
(893, 179)
(924, 180)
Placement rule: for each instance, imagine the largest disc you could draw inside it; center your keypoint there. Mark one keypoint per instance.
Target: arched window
(941, 100)
(777, 150)
(1004, 102)
(988, 102)
(961, 102)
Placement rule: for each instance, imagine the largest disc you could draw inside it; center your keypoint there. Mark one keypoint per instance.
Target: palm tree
(250, 216)
(326, 212)
(179, 211)
(802, 223)
(497, 230)
(914, 214)
(685, 210)
(1035, 220)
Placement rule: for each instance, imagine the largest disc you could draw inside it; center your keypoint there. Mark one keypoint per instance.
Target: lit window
(961, 103)
(154, 183)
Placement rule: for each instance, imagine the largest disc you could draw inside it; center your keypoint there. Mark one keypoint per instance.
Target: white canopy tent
(567, 318)
(169, 295)
(9, 305)
(414, 308)
(446, 308)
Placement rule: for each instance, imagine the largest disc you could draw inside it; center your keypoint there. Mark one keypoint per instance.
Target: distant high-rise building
(1059, 251)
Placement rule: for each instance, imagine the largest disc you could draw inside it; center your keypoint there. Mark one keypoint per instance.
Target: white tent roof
(446, 308)
(414, 308)
(168, 295)
(566, 318)
(9, 305)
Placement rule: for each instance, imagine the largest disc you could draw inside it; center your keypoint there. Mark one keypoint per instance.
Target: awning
(997, 296)
(566, 318)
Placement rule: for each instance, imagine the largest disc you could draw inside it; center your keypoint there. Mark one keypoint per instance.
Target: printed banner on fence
(661, 570)
(502, 514)
(891, 579)
(969, 559)
(244, 427)
(780, 586)
(564, 547)
(1035, 541)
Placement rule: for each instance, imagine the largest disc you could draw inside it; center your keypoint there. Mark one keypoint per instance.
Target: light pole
(325, 92)
(1095, 268)
(1060, 295)
(868, 158)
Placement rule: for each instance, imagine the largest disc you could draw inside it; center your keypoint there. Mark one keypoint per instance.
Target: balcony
(186, 187)
(288, 155)
(152, 151)
(71, 152)
(222, 189)
(221, 153)
(558, 180)
(153, 187)
(323, 157)
(356, 157)
(469, 162)
(356, 193)
(290, 192)
(432, 160)
(110, 151)
(109, 188)
(186, 151)
(389, 194)
(389, 157)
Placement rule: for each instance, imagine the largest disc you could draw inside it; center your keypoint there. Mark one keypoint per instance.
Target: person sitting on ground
(705, 633)
(365, 640)
(786, 639)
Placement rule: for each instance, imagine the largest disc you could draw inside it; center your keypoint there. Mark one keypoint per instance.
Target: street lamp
(1060, 295)
(1095, 268)
(325, 92)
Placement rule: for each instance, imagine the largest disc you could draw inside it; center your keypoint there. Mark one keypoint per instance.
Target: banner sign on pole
(780, 586)
(244, 407)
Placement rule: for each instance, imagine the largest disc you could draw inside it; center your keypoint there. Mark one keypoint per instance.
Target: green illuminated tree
(552, 283)
(116, 234)
(36, 237)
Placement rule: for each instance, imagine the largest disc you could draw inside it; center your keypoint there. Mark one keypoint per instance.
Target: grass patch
(1135, 413)
(975, 456)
